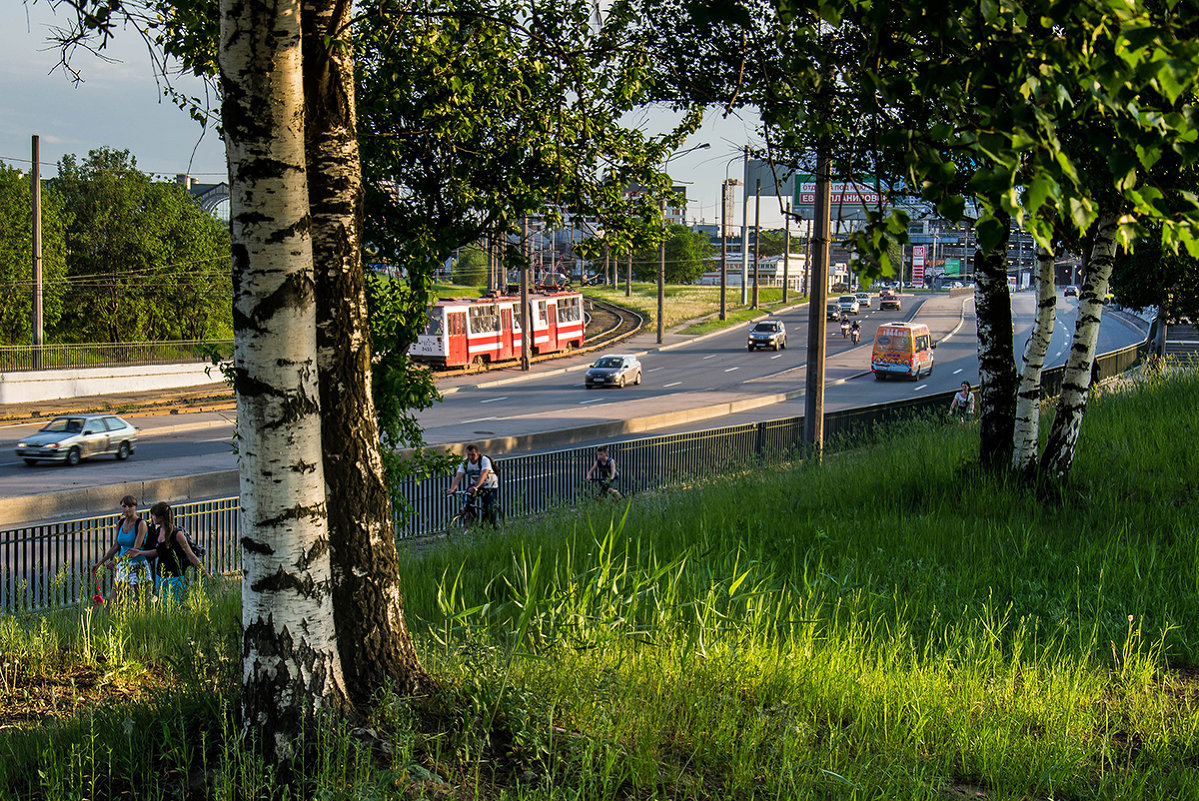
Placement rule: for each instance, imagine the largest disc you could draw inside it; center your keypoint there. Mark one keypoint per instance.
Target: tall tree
(687, 256)
(372, 636)
(291, 669)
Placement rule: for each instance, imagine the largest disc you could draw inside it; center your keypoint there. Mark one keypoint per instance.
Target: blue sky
(119, 105)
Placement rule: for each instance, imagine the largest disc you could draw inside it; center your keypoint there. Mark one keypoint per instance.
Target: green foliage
(687, 257)
(470, 267)
(144, 261)
(16, 258)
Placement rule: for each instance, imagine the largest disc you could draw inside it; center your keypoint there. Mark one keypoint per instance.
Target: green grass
(892, 624)
(685, 303)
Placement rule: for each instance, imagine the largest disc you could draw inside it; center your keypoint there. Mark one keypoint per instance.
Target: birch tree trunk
(1076, 384)
(1026, 437)
(996, 355)
(372, 637)
(290, 666)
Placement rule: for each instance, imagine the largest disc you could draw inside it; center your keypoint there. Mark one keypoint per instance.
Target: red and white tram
(483, 330)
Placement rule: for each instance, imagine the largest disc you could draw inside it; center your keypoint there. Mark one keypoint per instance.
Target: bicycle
(472, 512)
(605, 490)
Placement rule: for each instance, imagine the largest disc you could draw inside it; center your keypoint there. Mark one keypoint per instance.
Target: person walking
(132, 572)
(174, 552)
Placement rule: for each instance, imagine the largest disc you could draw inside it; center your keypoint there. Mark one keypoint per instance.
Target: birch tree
(1026, 434)
(291, 670)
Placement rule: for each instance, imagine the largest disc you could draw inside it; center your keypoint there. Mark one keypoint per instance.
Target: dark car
(890, 302)
(767, 334)
(1070, 292)
(71, 438)
(832, 310)
(613, 371)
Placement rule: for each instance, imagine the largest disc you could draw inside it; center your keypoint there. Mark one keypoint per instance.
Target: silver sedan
(71, 438)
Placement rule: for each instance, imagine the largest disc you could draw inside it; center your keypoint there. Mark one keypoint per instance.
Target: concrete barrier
(39, 385)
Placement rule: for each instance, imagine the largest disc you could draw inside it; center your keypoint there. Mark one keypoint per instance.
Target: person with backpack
(963, 402)
(174, 551)
(132, 571)
(480, 479)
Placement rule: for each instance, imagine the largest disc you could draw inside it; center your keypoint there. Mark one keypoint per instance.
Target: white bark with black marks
(1076, 385)
(290, 665)
(1026, 437)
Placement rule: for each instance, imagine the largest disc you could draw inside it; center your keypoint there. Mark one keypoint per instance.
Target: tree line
(125, 258)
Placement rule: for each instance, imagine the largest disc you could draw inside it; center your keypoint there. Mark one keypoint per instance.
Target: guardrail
(21, 358)
(45, 566)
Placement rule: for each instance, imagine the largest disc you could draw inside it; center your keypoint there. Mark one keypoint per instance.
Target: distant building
(213, 198)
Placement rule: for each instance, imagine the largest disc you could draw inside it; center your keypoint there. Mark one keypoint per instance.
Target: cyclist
(480, 480)
(855, 331)
(963, 402)
(845, 325)
(603, 470)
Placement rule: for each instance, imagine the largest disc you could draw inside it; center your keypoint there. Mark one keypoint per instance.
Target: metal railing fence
(43, 566)
(22, 358)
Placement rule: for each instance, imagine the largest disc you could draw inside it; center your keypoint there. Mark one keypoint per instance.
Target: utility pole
(628, 276)
(37, 324)
(786, 251)
(662, 275)
(814, 385)
(757, 235)
(724, 249)
(526, 334)
(745, 234)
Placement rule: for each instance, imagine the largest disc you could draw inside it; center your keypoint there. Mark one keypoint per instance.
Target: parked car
(890, 302)
(849, 304)
(767, 334)
(614, 370)
(832, 310)
(863, 299)
(71, 438)
(1070, 291)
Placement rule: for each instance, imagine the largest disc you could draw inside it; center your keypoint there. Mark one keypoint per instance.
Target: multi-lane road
(702, 374)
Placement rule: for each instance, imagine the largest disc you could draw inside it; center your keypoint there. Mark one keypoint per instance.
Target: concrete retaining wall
(40, 385)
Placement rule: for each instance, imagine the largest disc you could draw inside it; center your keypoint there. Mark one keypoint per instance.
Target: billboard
(847, 199)
(919, 253)
(953, 266)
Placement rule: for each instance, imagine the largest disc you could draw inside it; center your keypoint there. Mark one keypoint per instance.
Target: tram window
(435, 323)
(483, 319)
(541, 312)
(568, 310)
(457, 324)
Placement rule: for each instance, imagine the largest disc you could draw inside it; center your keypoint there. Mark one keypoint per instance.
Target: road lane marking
(777, 356)
(731, 369)
(960, 369)
(653, 369)
(479, 420)
(1059, 353)
(671, 384)
(593, 400)
(918, 388)
(493, 400)
(709, 356)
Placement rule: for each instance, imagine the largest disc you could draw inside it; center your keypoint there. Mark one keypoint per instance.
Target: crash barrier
(19, 358)
(44, 566)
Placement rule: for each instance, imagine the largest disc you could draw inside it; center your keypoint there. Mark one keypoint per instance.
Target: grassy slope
(890, 625)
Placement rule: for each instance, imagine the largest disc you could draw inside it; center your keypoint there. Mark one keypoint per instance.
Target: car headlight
(51, 444)
(20, 444)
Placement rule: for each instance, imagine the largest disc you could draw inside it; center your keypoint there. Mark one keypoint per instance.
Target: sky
(119, 105)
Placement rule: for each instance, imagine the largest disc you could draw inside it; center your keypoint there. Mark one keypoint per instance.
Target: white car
(72, 437)
(849, 304)
(863, 299)
(615, 370)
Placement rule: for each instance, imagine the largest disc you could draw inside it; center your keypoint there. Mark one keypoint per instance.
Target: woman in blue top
(132, 572)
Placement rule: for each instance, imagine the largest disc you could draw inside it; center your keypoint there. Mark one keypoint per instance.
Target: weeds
(891, 624)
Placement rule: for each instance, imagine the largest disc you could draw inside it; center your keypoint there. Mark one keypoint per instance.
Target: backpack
(495, 470)
(199, 550)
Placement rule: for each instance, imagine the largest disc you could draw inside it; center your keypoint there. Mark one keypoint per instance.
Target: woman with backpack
(133, 542)
(174, 552)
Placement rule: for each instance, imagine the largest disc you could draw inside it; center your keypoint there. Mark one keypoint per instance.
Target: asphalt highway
(689, 374)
